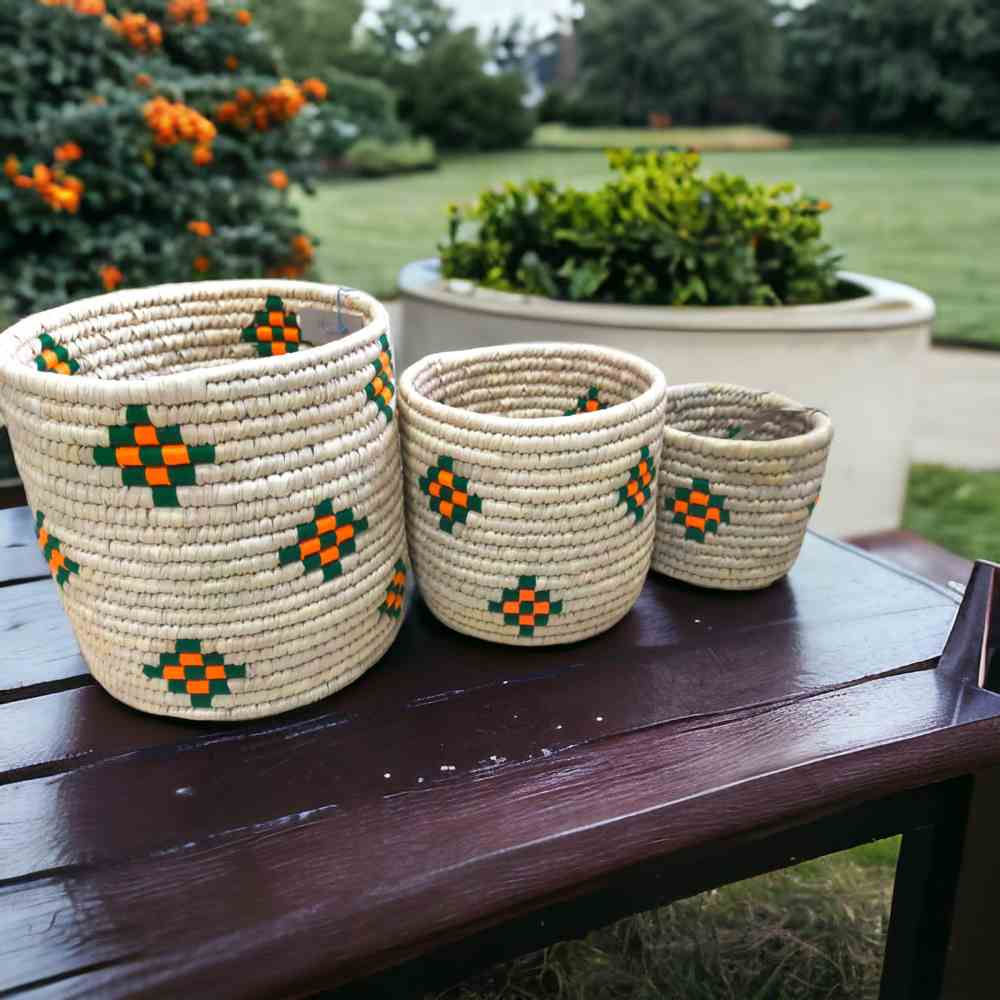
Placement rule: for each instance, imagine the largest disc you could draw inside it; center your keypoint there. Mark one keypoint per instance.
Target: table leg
(941, 940)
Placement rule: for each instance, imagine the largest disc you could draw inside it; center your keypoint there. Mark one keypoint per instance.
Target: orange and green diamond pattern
(449, 494)
(637, 491)
(589, 403)
(393, 603)
(275, 330)
(201, 676)
(59, 564)
(151, 456)
(55, 358)
(325, 540)
(381, 388)
(526, 607)
(699, 509)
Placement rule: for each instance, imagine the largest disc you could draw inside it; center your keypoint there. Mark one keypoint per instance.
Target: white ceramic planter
(860, 360)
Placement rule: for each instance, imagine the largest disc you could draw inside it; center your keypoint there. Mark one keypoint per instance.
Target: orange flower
(137, 29)
(202, 154)
(143, 80)
(302, 247)
(42, 175)
(11, 166)
(232, 63)
(226, 111)
(193, 11)
(174, 123)
(823, 205)
(200, 227)
(22, 181)
(278, 179)
(244, 17)
(201, 264)
(244, 97)
(111, 277)
(94, 7)
(68, 152)
(316, 89)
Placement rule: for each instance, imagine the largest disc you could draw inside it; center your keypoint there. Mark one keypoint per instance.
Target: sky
(484, 14)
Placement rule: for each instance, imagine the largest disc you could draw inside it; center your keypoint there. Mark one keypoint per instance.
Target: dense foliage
(913, 66)
(146, 141)
(686, 60)
(658, 233)
(447, 88)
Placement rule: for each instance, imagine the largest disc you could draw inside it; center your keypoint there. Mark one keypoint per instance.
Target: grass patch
(955, 508)
(922, 214)
(722, 139)
(814, 931)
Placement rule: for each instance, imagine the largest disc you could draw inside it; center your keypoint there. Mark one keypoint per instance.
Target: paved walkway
(958, 420)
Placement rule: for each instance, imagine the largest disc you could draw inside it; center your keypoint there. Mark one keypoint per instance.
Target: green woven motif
(393, 603)
(274, 329)
(525, 607)
(381, 388)
(325, 540)
(699, 509)
(201, 676)
(586, 404)
(154, 457)
(449, 494)
(55, 358)
(51, 547)
(639, 488)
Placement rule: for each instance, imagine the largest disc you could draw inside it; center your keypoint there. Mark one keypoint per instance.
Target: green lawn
(927, 215)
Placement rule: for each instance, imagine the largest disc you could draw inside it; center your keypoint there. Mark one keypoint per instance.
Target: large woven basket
(221, 509)
(740, 475)
(530, 470)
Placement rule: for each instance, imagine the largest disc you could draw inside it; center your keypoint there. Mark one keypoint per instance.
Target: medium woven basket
(530, 470)
(740, 475)
(220, 508)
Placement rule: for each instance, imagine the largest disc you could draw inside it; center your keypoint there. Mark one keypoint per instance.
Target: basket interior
(174, 333)
(734, 414)
(531, 384)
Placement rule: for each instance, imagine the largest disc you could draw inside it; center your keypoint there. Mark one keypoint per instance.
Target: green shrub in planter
(658, 233)
(375, 158)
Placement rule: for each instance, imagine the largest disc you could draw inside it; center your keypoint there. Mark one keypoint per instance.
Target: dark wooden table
(464, 803)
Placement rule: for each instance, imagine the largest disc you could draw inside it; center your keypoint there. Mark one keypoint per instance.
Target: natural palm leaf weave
(740, 474)
(219, 502)
(531, 487)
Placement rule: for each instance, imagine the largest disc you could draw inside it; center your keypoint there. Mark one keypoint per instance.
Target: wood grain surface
(457, 787)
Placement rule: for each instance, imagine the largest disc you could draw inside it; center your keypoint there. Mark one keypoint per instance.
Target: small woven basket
(222, 510)
(741, 473)
(530, 470)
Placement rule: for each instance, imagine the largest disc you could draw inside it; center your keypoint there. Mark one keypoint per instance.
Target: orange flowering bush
(148, 141)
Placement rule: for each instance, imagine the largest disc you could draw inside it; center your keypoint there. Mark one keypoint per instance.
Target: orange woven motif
(526, 607)
(699, 510)
(274, 329)
(394, 595)
(60, 566)
(450, 495)
(637, 491)
(201, 676)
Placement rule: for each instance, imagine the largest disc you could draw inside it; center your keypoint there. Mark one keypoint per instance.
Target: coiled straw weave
(530, 470)
(226, 528)
(741, 473)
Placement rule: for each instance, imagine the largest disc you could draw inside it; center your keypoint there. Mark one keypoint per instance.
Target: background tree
(700, 63)
(146, 143)
(446, 88)
(913, 66)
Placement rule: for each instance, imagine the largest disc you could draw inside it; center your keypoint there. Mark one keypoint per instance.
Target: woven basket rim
(91, 388)
(563, 424)
(819, 436)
